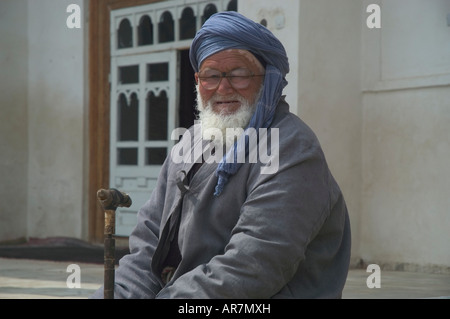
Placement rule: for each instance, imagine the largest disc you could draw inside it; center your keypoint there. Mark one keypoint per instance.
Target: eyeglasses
(239, 78)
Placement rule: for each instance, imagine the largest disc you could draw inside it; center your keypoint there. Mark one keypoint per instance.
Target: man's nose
(224, 87)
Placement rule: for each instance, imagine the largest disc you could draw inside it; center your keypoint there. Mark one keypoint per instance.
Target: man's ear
(196, 77)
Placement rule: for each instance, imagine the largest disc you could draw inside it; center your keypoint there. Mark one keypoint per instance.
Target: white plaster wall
(406, 194)
(13, 115)
(56, 125)
(378, 101)
(406, 149)
(330, 98)
(323, 40)
(415, 41)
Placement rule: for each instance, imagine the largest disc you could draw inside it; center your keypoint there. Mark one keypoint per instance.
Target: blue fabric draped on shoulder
(231, 30)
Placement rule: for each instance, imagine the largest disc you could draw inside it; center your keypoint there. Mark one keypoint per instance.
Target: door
(143, 106)
(141, 88)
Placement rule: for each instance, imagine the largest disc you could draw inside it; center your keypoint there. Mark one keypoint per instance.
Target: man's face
(226, 99)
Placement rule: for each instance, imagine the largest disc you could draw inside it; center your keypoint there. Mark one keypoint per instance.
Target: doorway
(155, 36)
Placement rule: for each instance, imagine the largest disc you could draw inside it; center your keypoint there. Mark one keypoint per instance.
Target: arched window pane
(157, 116)
(125, 35)
(127, 126)
(145, 31)
(166, 28)
(232, 5)
(187, 24)
(210, 9)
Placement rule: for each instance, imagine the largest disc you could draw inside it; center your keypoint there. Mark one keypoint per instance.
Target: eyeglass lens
(239, 78)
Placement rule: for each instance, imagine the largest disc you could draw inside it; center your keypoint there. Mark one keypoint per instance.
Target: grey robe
(283, 235)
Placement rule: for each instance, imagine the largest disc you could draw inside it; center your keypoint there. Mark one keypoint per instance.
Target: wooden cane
(110, 199)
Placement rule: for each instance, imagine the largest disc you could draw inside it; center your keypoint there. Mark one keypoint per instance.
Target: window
(158, 72)
(187, 24)
(129, 74)
(210, 9)
(166, 28)
(127, 126)
(125, 34)
(232, 6)
(157, 107)
(145, 31)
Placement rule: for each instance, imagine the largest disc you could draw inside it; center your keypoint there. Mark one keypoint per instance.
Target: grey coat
(283, 235)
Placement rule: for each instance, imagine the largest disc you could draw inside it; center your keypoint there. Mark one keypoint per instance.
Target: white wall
(56, 113)
(13, 115)
(378, 99)
(323, 39)
(406, 190)
(44, 121)
(406, 136)
(330, 91)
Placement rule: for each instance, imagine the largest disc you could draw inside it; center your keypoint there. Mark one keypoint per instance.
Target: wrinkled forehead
(245, 56)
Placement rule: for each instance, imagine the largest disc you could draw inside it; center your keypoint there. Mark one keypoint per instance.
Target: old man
(226, 228)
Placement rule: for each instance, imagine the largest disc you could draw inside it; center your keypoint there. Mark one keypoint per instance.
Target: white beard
(211, 120)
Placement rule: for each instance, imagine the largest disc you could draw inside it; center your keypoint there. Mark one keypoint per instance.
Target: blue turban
(231, 30)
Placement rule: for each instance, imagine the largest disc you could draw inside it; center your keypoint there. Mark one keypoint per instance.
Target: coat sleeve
(281, 215)
(133, 277)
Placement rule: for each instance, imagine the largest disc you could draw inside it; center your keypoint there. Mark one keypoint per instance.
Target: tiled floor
(23, 279)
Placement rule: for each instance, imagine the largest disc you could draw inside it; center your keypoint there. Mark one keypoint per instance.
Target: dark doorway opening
(187, 99)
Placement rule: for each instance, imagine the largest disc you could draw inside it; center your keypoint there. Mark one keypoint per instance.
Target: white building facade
(377, 97)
